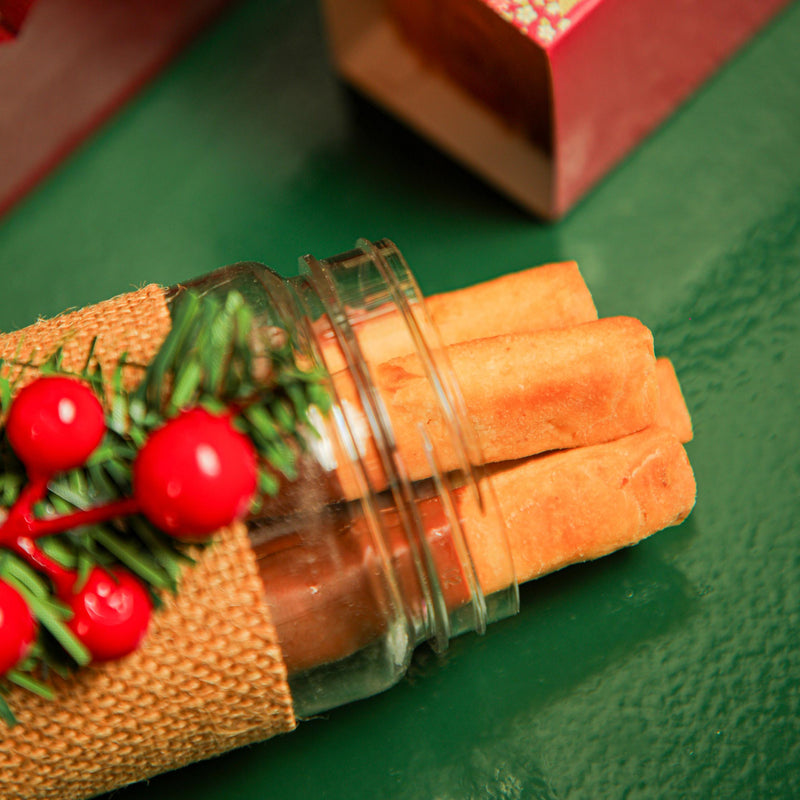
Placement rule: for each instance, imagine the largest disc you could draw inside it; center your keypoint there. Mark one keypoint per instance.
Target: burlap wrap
(134, 323)
(210, 675)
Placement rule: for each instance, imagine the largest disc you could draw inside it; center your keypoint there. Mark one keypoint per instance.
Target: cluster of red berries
(194, 475)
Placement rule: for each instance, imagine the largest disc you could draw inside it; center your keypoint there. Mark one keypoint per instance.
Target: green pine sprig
(219, 355)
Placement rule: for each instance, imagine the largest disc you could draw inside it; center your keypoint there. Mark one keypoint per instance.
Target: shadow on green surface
(456, 726)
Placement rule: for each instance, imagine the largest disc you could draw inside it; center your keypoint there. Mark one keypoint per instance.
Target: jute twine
(210, 675)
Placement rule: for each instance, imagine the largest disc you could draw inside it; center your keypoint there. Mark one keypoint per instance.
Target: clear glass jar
(390, 536)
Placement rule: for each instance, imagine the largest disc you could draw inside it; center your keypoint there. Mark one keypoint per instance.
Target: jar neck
(435, 582)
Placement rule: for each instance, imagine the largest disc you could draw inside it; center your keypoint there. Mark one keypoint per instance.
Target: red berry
(54, 424)
(17, 628)
(110, 613)
(195, 475)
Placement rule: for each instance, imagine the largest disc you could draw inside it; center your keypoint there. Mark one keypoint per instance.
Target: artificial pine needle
(217, 355)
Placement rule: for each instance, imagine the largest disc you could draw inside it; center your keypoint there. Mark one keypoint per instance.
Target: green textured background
(669, 670)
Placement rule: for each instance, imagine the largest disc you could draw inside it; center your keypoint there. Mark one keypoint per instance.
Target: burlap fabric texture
(209, 677)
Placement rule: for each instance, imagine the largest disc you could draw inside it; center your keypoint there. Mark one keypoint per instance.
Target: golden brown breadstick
(561, 508)
(672, 411)
(549, 296)
(576, 505)
(524, 393)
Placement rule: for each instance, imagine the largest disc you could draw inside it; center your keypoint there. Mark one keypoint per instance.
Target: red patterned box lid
(544, 21)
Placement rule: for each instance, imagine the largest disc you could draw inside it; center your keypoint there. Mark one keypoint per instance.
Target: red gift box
(68, 64)
(540, 97)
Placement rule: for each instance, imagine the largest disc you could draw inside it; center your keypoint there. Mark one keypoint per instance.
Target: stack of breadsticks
(580, 426)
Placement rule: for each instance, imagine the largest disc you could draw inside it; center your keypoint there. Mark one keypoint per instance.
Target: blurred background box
(66, 65)
(12, 17)
(540, 98)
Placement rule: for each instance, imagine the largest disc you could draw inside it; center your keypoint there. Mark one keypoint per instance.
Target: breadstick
(672, 411)
(524, 393)
(549, 296)
(673, 417)
(575, 505)
(560, 508)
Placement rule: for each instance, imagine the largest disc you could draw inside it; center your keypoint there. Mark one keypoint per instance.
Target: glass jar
(390, 535)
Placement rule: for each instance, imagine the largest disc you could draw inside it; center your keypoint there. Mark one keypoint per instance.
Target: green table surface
(668, 670)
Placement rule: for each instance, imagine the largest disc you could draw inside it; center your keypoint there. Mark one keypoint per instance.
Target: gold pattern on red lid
(544, 21)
